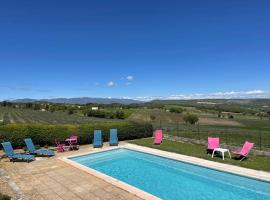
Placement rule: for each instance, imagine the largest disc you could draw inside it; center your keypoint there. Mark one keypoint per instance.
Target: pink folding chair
(73, 142)
(213, 142)
(59, 146)
(244, 151)
(158, 136)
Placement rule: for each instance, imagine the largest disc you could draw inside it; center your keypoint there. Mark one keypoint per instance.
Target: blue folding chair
(32, 150)
(113, 137)
(15, 156)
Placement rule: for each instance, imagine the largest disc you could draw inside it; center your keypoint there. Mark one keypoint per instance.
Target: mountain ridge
(79, 100)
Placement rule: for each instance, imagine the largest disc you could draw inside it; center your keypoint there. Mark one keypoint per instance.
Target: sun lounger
(15, 156)
(213, 143)
(32, 150)
(244, 151)
(113, 137)
(97, 142)
(158, 136)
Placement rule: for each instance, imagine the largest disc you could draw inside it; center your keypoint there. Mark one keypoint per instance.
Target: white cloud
(110, 84)
(130, 78)
(217, 95)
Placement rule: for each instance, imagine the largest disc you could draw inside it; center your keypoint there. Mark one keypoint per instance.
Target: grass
(199, 151)
(231, 131)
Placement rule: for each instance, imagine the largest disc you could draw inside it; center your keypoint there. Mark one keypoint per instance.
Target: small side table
(222, 151)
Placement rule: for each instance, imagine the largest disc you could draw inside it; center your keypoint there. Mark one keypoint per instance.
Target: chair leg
(242, 158)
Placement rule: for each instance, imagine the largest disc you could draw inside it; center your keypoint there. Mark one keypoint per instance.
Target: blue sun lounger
(113, 137)
(32, 150)
(15, 156)
(97, 139)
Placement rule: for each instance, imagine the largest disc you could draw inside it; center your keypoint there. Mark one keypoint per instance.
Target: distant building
(94, 108)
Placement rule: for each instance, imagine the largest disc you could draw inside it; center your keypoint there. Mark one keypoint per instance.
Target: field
(28, 116)
(233, 128)
(231, 131)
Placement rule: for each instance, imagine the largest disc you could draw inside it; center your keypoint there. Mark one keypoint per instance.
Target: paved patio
(51, 178)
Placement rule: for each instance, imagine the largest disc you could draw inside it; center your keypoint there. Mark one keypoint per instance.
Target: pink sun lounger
(158, 136)
(244, 151)
(213, 142)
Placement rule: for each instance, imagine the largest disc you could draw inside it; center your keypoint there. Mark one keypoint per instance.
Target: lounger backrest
(158, 136)
(158, 133)
(246, 148)
(29, 144)
(113, 135)
(74, 138)
(213, 142)
(97, 135)
(8, 148)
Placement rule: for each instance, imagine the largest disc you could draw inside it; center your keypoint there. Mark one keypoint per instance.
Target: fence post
(226, 136)
(177, 128)
(260, 139)
(160, 123)
(199, 131)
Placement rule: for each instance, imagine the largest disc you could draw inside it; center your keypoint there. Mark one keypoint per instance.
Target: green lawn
(253, 162)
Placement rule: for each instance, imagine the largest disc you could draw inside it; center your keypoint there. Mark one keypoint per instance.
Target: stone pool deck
(51, 178)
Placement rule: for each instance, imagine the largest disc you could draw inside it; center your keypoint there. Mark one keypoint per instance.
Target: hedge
(4, 197)
(44, 135)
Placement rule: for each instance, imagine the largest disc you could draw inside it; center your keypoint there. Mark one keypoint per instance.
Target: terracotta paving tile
(50, 178)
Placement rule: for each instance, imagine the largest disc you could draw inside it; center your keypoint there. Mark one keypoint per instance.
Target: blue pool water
(170, 179)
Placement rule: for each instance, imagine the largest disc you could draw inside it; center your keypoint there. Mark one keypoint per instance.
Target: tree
(120, 115)
(191, 118)
(176, 110)
(261, 115)
(152, 117)
(37, 106)
(70, 111)
(268, 114)
(230, 116)
(52, 109)
(4, 103)
(28, 105)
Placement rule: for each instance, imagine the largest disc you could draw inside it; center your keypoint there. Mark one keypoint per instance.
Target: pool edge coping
(249, 173)
(237, 170)
(119, 184)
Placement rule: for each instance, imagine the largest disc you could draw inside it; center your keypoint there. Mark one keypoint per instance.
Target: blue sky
(134, 48)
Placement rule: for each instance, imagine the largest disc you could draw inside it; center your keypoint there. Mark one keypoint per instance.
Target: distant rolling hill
(80, 100)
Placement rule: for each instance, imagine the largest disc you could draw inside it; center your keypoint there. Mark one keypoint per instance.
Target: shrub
(46, 134)
(70, 111)
(119, 115)
(152, 117)
(230, 116)
(176, 110)
(105, 114)
(4, 197)
(191, 118)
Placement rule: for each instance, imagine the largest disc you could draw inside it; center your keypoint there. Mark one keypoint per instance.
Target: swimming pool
(171, 179)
